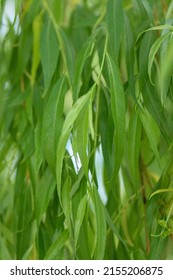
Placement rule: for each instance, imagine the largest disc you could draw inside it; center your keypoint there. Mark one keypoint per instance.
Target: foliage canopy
(86, 118)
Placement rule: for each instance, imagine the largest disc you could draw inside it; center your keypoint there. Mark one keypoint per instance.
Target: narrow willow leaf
(153, 52)
(67, 53)
(155, 108)
(82, 127)
(66, 203)
(159, 27)
(113, 227)
(49, 52)
(27, 144)
(101, 226)
(85, 52)
(80, 216)
(38, 145)
(27, 253)
(22, 217)
(76, 186)
(67, 127)
(114, 20)
(146, 43)
(150, 126)
(36, 47)
(64, 44)
(106, 127)
(160, 191)
(57, 245)
(134, 141)
(118, 109)
(166, 70)
(130, 55)
(53, 121)
(57, 8)
(4, 253)
(43, 194)
(169, 12)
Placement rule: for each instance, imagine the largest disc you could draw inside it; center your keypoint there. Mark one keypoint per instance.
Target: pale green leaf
(67, 127)
(154, 28)
(160, 191)
(36, 47)
(153, 52)
(57, 245)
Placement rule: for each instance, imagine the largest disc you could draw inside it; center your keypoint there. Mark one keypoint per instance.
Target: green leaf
(22, 217)
(115, 22)
(49, 52)
(153, 52)
(43, 194)
(36, 47)
(4, 253)
(118, 110)
(85, 52)
(146, 43)
(151, 131)
(53, 121)
(38, 139)
(114, 228)
(101, 226)
(66, 203)
(133, 144)
(82, 127)
(67, 53)
(80, 217)
(160, 191)
(57, 245)
(159, 27)
(67, 127)
(129, 44)
(166, 69)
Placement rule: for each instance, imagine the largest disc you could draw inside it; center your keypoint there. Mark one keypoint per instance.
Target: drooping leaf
(134, 141)
(53, 121)
(39, 154)
(36, 47)
(67, 127)
(66, 204)
(80, 216)
(114, 20)
(56, 246)
(101, 226)
(49, 52)
(43, 195)
(160, 191)
(118, 109)
(82, 134)
(82, 57)
(67, 53)
(149, 127)
(153, 52)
